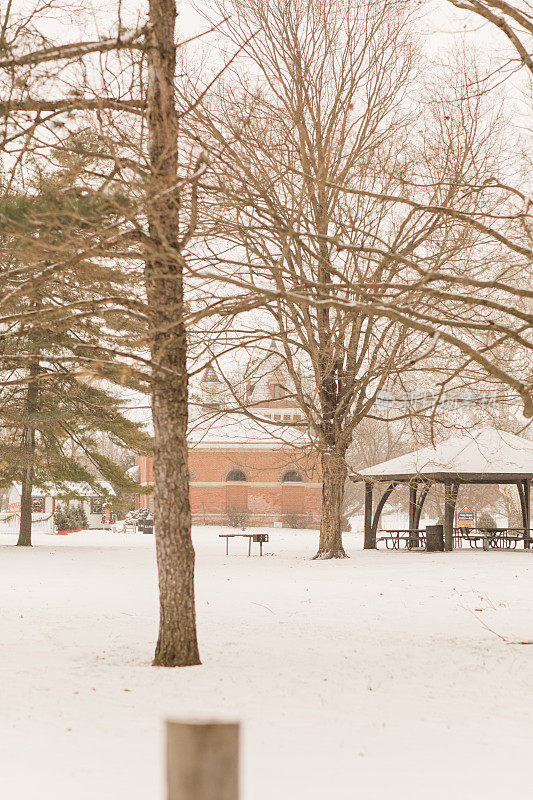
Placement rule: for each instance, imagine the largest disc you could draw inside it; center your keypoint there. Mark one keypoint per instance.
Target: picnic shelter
(485, 455)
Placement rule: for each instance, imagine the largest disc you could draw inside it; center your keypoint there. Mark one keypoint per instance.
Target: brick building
(249, 471)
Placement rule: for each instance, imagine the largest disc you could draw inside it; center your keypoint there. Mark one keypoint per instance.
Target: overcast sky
(440, 19)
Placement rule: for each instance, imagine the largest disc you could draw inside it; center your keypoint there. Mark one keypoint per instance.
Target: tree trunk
(28, 449)
(333, 478)
(24, 539)
(177, 643)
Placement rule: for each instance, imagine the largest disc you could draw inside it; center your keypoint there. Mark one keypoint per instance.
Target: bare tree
(308, 155)
(177, 644)
(515, 20)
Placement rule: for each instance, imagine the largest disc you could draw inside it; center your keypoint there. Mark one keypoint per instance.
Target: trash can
(145, 526)
(435, 539)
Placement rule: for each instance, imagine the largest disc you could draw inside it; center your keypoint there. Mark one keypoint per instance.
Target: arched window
(236, 475)
(291, 476)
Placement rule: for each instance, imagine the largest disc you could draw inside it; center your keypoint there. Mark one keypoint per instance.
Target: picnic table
(124, 527)
(252, 537)
(496, 538)
(409, 538)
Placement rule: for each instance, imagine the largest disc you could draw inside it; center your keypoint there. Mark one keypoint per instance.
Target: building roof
(134, 473)
(225, 430)
(486, 455)
(273, 370)
(70, 488)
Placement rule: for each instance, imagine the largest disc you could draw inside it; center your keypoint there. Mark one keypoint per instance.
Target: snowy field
(368, 678)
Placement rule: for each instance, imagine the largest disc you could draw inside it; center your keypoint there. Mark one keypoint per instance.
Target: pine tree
(53, 410)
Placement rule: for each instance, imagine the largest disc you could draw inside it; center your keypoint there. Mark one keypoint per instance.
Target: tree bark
(333, 478)
(450, 497)
(24, 539)
(28, 449)
(177, 642)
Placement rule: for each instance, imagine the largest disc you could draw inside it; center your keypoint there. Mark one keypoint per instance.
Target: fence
(40, 523)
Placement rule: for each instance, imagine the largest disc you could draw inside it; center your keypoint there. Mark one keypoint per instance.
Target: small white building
(45, 502)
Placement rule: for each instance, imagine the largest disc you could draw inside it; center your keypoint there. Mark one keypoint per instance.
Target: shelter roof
(485, 455)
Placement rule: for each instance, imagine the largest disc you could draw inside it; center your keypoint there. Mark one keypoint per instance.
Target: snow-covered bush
(70, 518)
(237, 518)
(486, 522)
(135, 515)
(79, 516)
(297, 521)
(60, 518)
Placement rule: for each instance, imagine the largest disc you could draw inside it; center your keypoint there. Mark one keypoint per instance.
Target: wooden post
(421, 499)
(202, 761)
(527, 515)
(449, 510)
(413, 537)
(379, 508)
(370, 536)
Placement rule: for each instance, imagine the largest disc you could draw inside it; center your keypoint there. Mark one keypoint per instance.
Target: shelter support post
(379, 508)
(420, 504)
(412, 504)
(370, 536)
(413, 537)
(525, 501)
(450, 496)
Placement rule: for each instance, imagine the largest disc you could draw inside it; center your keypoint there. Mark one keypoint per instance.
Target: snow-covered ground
(372, 677)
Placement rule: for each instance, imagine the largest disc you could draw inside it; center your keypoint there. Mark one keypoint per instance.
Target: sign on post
(466, 518)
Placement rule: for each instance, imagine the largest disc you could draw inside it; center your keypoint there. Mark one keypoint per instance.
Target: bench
(130, 527)
(252, 537)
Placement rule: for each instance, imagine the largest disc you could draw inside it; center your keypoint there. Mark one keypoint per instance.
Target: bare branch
(78, 49)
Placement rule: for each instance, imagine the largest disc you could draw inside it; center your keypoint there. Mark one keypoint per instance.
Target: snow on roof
(70, 488)
(236, 430)
(134, 473)
(484, 451)
(226, 429)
